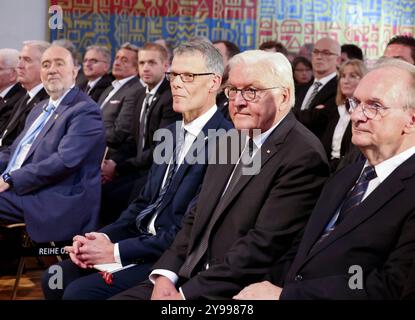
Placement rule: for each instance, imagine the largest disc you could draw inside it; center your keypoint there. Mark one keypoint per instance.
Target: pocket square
(114, 101)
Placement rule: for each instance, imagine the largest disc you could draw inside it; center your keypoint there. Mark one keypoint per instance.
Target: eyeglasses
(93, 61)
(248, 94)
(186, 77)
(324, 53)
(370, 110)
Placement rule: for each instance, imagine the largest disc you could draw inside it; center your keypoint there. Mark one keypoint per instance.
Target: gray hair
(10, 57)
(68, 45)
(273, 68)
(104, 51)
(408, 68)
(213, 57)
(39, 45)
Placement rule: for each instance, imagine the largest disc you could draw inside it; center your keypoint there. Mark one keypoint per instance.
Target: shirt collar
(385, 168)
(121, 82)
(326, 79)
(6, 91)
(56, 103)
(92, 83)
(260, 139)
(154, 90)
(196, 126)
(35, 90)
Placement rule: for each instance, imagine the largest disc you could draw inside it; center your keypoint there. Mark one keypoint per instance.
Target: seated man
(242, 221)
(360, 240)
(148, 226)
(51, 173)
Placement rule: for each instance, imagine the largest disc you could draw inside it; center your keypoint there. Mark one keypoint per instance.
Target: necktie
(143, 120)
(88, 89)
(171, 169)
(29, 137)
(316, 86)
(353, 199)
(196, 256)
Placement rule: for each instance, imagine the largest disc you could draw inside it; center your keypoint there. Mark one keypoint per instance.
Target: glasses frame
(244, 90)
(324, 53)
(375, 108)
(171, 76)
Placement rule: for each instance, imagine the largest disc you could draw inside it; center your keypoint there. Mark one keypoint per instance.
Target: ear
(410, 126)
(215, 84)
(285, 96)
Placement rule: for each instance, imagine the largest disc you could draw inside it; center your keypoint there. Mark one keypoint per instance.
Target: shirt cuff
(163, 272)
(182, 294)
(117, 256)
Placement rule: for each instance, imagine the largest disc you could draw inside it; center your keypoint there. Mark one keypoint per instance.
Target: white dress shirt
(323, 82)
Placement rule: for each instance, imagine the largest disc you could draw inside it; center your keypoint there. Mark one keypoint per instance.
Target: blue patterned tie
(31, 134)
(171, 169)
(353, 199)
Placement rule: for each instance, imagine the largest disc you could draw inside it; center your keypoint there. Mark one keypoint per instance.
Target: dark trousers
(140, 292)
(88, 284)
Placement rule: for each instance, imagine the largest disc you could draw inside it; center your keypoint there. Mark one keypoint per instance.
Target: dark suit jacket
(17, 120)
(99, 87)
(59, 183)
(317, 119)
(7, 105)
(131, 155)
(260, 217)
(327, 137)
(143, 248)
(378, 236)
(118, 112)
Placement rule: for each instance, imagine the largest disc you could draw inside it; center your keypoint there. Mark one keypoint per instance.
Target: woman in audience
(337, 138)
(302, 71)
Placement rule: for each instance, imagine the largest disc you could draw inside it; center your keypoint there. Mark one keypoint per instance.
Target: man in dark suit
(138, 239)
(96, 64)
(316, 104)
(51, 173)
(28, 75)
(119, 100)
(243, 221)
(360, 240)
(125, 172)
(10, 90)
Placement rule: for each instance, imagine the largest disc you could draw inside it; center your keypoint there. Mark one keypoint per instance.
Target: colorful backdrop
(367, 23)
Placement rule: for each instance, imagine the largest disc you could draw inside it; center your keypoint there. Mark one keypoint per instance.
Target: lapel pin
(268, 151)
(56, 116)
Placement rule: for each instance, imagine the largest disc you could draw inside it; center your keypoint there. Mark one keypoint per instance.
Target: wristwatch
(8, 179)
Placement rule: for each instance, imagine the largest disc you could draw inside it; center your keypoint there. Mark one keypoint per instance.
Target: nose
(239, 100)
(357, 114)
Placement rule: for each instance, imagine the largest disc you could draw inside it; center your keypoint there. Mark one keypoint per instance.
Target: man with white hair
(360, 240)
(28, 75)
(10, 90)
(242, 222)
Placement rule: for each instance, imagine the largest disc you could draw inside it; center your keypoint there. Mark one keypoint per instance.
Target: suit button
(298, 277)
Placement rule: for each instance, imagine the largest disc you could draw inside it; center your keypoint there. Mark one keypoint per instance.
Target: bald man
(316, 104)
(51, 173)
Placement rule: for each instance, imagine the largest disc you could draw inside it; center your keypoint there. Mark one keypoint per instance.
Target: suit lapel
(327, 90)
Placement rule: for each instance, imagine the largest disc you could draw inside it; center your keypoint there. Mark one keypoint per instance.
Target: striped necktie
(316, 86)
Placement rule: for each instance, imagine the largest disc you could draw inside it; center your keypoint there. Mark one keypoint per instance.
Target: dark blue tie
(171, 169)
(353, 199)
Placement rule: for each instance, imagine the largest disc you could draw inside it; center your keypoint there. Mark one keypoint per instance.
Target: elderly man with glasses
(243, 220)
(360, 240)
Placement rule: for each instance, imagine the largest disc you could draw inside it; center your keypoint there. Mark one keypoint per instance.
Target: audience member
(242, 222)
(10, 90)
(28, 75)
(150, 223)
(315, 105)
(337, 138)
(51, 173)
(401, 47)
(350, 51)
(360, 239)
(302, 71)
(126, 171)
(96, 64)
(119, 100)
(273, 46)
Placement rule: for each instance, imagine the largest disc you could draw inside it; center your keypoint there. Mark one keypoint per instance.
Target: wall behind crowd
(367, 23)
